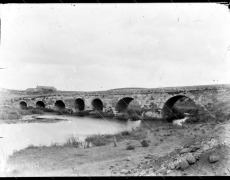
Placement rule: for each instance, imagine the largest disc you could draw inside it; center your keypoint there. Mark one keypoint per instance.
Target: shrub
(134, 117)
(10, 113)
(55, 144)
(134, 112)
(193, 119)
(35, 111)
(64, 111)
(139, 133)
(48, 110)
(73, 142)
(203, 131)
(82, 113)
(145, 143)
(130, 147)
(101, 140)
(125, 133)
(98, 140)
(31, 146)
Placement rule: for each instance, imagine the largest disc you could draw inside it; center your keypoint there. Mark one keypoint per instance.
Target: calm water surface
(17, 136)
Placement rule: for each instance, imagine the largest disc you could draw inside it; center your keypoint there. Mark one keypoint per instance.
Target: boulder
(163, 171)
(177, 166)
(184, 165)
(197, 155)
(171, 166)
(194, 148)
(212, 143)
(151, 174)
(187, 145)
(214, 158)
(124, 171)
(168, 171)
(205, 147)
(147, 157)
(184, 150)
(190, 158)
(142, 173)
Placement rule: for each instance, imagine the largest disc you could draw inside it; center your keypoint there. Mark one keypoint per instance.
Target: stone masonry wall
(151, 100)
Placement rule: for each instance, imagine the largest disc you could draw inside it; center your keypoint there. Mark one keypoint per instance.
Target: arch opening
(23, 105)
(40, 104)
(97, 104)
(79, 104)
(177, 106)
(60, 104)
(123, 104)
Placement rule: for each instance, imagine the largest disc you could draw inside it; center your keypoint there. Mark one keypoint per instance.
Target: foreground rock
(124, 171)
(190, 158)
(188, 155)
(213, 158)
(183, 164)
(185, 150)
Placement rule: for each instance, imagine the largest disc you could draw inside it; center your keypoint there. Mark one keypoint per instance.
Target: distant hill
(125, 89)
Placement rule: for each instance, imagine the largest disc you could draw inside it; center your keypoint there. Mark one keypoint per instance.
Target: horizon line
(130, 88)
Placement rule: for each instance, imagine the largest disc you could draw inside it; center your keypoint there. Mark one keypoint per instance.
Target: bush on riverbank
(100, 114)
(48, 110)
(11, 112)
(130, 147)
(133, 114)
(31, 146)
(34, 111)
(82, 113)
(101, 140)
(145, 143)
(72, 141)
(98, 140)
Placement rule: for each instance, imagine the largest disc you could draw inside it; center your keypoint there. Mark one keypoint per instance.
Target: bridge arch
(60, 104)
(168, 111)
(97, 104)
(79, 104)
(23, 104)
(122, 104)
(40, 104)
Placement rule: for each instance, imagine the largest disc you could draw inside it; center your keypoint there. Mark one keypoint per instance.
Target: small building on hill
(46, 88)
(31, 90)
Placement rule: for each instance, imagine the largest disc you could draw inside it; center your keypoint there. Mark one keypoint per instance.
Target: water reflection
(17, 136)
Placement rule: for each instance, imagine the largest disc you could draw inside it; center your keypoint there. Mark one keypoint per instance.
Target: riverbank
(166, 143)
(14, 113)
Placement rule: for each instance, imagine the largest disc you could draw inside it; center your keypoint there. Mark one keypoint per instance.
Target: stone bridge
(155, 101)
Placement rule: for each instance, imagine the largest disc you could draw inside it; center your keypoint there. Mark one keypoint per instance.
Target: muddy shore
(166, 144)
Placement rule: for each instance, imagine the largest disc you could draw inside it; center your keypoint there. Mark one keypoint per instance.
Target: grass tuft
(99, 140)
(31, 146)
(145, 143)
(130, 147)
(72, 141)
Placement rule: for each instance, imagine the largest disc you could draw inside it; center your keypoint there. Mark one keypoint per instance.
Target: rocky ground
(196, 150)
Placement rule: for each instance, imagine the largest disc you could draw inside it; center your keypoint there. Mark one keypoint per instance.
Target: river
(19, 135)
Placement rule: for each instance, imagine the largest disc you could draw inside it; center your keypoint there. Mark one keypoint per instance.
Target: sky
(93, 47)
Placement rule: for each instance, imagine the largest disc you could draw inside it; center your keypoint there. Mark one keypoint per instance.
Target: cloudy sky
(87, 47)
